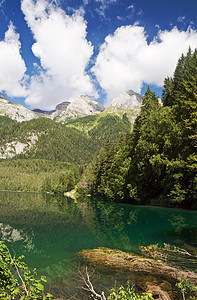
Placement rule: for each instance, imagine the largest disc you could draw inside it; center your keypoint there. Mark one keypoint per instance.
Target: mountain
(58, 109)
(15, 111)
(80, 107)
(44, 112)
(119, 117)
(85, 116)
(45, 139)
(128, 102)
(37, 153)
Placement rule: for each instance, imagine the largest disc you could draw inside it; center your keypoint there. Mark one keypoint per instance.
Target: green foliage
(46, 163)
(31, 174)
(157, 162)
(68, 181)
(128, 294)
(167, 92)
(53, 141)
(101, 126)
(149, 103)
(52, 163)
(38, 175)
(83, 122)
(109, 126)
(183, 95)
(186, 287)
(17, 281)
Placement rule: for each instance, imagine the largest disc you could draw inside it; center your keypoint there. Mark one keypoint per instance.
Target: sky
(55, 50)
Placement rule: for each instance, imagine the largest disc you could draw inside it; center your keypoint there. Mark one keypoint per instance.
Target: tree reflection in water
(50, 230)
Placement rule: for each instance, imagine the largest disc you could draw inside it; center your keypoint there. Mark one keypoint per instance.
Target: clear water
(50, 230)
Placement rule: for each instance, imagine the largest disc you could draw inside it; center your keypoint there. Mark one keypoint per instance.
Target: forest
(156, 163)
(55, 162)
(152, 163)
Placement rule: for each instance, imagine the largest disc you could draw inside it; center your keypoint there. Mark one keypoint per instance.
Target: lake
(49, 230)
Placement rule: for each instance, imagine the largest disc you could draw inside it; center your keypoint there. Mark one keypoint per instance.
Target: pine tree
(167, 96)
(149, 102)
(157, 162)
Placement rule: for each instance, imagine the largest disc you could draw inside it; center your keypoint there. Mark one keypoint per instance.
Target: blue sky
(53, 51)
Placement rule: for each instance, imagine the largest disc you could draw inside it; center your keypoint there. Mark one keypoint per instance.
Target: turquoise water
(50, 230)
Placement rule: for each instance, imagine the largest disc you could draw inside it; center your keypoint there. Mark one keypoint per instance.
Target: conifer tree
(157, 163)
(167, 96)
(149, 102)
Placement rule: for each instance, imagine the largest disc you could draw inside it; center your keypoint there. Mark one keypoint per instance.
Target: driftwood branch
(89, 287)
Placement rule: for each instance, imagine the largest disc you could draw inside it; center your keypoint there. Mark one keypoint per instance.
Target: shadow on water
(50, 230)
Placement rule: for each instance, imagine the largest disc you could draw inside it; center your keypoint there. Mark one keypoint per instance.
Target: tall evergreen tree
(167, 96)
(149, 102)
(157, 163)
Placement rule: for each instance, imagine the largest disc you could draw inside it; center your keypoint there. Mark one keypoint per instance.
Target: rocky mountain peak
(131, 93)
(15, 111)
(79, 107)
(52, 113)
(128, 100)
(85, 105)
(62, 105)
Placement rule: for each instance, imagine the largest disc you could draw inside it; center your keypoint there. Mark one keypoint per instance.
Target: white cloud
(63, 51)
(126, 60)
(13, 67)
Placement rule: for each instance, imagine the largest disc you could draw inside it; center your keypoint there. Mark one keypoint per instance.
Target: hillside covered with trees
(156, 164)
(54, 154)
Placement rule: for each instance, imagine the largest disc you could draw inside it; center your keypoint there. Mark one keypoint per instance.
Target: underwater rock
(145, 272)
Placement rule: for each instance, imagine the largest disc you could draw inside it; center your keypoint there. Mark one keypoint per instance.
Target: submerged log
(145, 272)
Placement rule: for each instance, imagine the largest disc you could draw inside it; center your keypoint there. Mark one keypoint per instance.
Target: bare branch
(19, 275)
(89, 286)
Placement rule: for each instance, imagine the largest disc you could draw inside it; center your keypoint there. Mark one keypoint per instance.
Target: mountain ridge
(21, 134)
(48, 145)
(79, 107)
